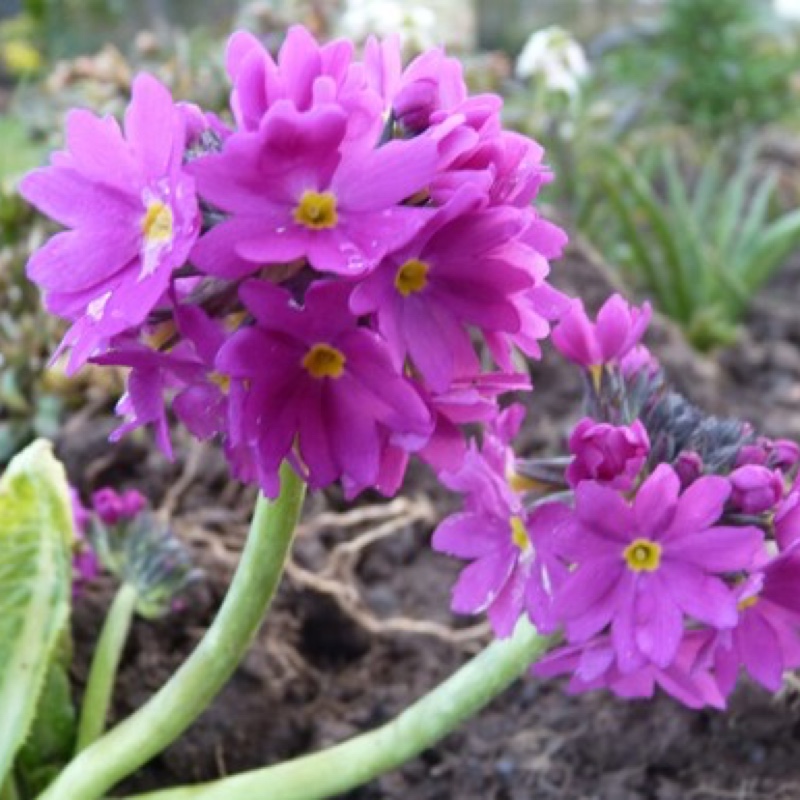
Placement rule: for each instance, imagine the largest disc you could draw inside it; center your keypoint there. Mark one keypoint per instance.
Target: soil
(358, 633)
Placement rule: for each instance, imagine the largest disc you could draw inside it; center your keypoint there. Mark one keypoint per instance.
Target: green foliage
(702, 247)
(729, 69)
(18, 153)
(36, 535)
(32, 399)
(722, 67)
(51, 739)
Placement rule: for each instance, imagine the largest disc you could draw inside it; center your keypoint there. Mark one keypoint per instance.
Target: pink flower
(609, 454)
(593, 666)
(766, 638)
(469, 399)
(786, 522)
(293, 192)
(187, 371)
(431, 83)
(312, 378)
(307, 75)
(643, 568)
(618, 329)
(461, 270)
(133, 215)
(511, 550)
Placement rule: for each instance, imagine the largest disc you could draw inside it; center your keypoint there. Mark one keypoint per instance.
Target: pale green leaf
(35, 581)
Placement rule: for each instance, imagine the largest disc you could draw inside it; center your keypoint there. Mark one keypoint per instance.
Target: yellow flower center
(521, 483)
(411, 277)
(220, 380)
(642, 555)
(162, 335)
(324, 361)
(316, 210)
(748, 602)
(157, 223)
(596, 371)
(519, 535)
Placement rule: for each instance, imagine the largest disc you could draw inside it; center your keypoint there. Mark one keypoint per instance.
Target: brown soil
(344, 650)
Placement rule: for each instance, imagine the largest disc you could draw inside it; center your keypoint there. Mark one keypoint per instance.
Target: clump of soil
(357, 633)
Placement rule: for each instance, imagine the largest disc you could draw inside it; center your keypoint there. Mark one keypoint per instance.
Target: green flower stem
(358, 760)
(190, 691)
(104, 667)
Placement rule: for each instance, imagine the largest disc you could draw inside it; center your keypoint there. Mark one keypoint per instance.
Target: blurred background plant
(630, 98)
(701, 238)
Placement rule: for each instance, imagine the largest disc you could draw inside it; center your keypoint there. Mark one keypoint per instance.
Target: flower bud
(145, 554)
(113, 508)
(755, 488)
(610, 454)
(689, 467)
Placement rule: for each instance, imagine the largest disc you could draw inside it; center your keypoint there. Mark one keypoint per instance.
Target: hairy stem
(190, 691)
(104, 667)
(358, 760)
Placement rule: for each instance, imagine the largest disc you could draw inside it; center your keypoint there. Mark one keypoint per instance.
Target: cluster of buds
(665, 546)
(107, 509)
(120, 534)
(311, 282)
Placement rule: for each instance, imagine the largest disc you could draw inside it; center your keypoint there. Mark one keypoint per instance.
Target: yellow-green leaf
(35, 581)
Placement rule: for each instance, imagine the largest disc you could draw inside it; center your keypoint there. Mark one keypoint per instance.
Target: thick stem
(104, 667)
(190, 691)
(354, 762)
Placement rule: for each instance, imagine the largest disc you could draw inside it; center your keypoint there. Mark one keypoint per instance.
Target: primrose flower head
(664, 545)
(311, 284)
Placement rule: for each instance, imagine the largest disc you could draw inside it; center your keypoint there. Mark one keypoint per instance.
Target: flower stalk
(356, 761)
(104, 667)
(193, 687)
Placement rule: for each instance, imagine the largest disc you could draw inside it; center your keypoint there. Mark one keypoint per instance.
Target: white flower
(553, 55)
(416, 24)
(789, 9)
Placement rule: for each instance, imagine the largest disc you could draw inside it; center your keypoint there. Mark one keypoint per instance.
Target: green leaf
(732, 204)
(51, 739)
(756, 219)
(708, 186)
(682, 218)
(35, 581)
(664, 239)
(771, 248)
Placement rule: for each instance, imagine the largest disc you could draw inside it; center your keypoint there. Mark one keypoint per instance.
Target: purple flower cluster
(108, 508)
(665, 547)
(312, 282)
